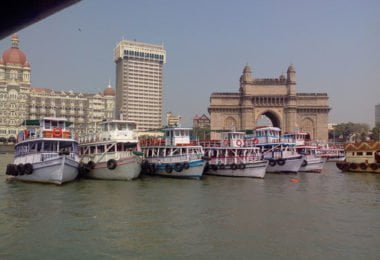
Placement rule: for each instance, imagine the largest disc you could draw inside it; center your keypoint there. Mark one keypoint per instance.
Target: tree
(376, 133)
(350, 132)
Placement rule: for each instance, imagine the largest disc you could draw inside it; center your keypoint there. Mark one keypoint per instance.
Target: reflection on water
(328, 215)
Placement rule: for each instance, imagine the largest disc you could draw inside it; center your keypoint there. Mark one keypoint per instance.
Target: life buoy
(373, 166)
(242, 166)
(57, 132)
(353, 166)
(226, 142)
(91, 165)
(239, 142)
(233, 166)
(178, 167)
(255, 140)
(280, 161)
(304, 163)
(186, 165)
(111, 164)
(13, 170)
(222, 166)
(28, 168)
(363, 166)
(168, 168)
(272, 163)
(20, 169)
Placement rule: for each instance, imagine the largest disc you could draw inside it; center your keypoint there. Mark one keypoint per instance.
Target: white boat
(45, 152)
(281, 155)
(173, 156)
(312, 161)
(111, 153)
(233, 156)
(332, 153)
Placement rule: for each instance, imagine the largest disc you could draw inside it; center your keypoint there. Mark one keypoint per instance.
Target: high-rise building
(377, 114)
(173, 120)
(139, 81)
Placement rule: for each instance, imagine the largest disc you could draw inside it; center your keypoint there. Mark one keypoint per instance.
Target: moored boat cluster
(47, 152)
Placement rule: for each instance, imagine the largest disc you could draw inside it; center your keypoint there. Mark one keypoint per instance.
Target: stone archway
(272, 116)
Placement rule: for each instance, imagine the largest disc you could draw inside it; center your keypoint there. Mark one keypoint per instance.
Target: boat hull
(126, 169)
(253, 170)
(195, 170)
(358, 167)
(57, 170)
(312, 165)
(291, 165)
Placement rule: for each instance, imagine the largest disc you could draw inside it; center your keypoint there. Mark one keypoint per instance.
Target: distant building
(20, 101)
(201, 127)
(202, 122)
(172, 120)
(377, 114)
(139, 81)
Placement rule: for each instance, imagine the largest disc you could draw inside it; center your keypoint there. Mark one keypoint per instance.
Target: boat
(234, 156)
(112, 152)
(332, 153)
(312, 160)
(361, 157)
(174, 155)
(282, 155)
(45, 152)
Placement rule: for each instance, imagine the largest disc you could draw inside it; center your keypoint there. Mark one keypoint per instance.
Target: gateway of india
(275, 98)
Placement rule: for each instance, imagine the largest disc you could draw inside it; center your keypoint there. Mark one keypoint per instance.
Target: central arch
(272, 116)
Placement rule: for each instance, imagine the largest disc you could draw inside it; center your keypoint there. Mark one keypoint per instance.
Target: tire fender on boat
(272, 163)
(168, 168)
(222, 166)
(186, 165)
(178, 167)
(242, 166)
(111, 164)
(373, 166)
(281, 161)
(28, 168)
(20, 169)
(353, 166)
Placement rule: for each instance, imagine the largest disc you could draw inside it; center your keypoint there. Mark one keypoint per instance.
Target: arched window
(230, 123)
(307, 125)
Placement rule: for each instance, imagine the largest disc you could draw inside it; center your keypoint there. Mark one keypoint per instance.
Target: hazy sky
(334, 45)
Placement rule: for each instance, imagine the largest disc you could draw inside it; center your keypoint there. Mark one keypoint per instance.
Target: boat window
(369, 153)
(100, 148)
(54, 124)
(47, 124)
(92, 149)
(111, 148)
(359, 153)
(119, 126)
(61, 124)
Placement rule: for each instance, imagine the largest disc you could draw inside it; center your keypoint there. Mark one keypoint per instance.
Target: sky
(334, 46)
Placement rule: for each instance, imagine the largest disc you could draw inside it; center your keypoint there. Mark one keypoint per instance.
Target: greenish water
(325, 216)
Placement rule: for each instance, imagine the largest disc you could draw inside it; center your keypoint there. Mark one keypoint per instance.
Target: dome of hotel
(109, 91)
(14, 55)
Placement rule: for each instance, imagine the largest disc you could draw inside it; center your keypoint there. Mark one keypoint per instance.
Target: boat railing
(227, 143)
(234, 159)
(105, 156)
(175, 158)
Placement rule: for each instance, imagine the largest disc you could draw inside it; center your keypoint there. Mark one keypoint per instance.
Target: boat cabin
(233, 139)
(267, 134)
(299, 138)
(364, 152)
(177, 136)
(307, 150)
(48, 127)
(112, 130)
